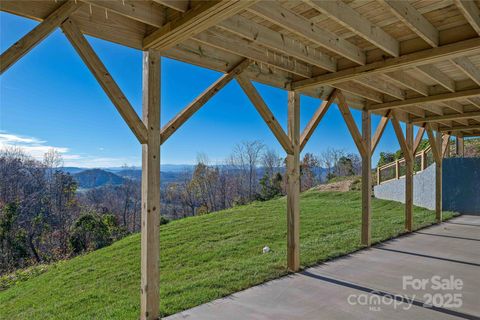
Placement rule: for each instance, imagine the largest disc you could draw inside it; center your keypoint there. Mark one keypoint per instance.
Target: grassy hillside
(202, 258)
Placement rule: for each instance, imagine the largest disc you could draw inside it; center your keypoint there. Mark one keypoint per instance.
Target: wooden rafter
(250, 50)
(275, 13)
(142, 11)
(200, 101)
(414, 20)
(471, 12)
(360, 90)
(34, 37)
(179, 5)
(193, 22)
(352, 20)
(379, 131)
(460, 128)
(466, 65)
(382, 86)
(265, 113)
(438, 76)
(316, 118)
(453, 105)
(400, 137)
(104, 78)
(456, 116)
(350, 122)
(392, 64)
(277, 41)
(408, 81)
(421, 100)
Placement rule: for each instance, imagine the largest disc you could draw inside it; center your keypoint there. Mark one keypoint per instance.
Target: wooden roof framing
(418, 58)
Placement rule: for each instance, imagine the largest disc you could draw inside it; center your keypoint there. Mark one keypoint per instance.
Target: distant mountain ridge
(93, 178)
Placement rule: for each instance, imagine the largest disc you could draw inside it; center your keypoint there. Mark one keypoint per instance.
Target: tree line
(44, 217)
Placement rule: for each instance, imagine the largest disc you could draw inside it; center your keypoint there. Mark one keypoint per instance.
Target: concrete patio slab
(369, 284)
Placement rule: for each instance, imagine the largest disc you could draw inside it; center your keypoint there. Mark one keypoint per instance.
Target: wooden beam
(459, 146)
(316, 118)
(200, 101)
(409, 162)
(366, 237)
(433, 143)
(360, 90)
(265, 113)
(179, 5)
(142, 11)
(410, 60)
(250, 50)
(455, 116)
(150, 240)
(400, 137)
(438, 76)
(445, 144)
(382, 86)
(351, 125)
(207, 14)
(293, 183)
(104, 78)
(459, 128)
(408, 81)
(471, 12)
(414, 20)
(471, 70)
(379, 131)
(295, 23)
(422, 100)
(438, 181)
(418, 139)
(355, 22)
(34, 37)
(277, 41)
(453, 105)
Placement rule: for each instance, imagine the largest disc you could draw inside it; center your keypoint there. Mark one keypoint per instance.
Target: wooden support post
(366, 179)
(438, 180)
(150, 188)
(460, 147)
(436, 145)
(423, 160)
(397, 169)
(378, 175)
(409, 161)
(293, 183)
(34, 37)
(445, 145)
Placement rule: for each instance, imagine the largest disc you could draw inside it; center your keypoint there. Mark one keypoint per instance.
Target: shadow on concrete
(430, 257)
(401, 298)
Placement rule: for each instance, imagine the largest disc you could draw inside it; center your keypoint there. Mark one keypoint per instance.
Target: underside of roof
(419, 58)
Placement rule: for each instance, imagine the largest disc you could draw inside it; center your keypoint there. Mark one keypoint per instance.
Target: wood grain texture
(105, 79)
(293, 183)
(150, 238)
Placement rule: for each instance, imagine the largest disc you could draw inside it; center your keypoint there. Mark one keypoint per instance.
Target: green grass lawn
(202, 258)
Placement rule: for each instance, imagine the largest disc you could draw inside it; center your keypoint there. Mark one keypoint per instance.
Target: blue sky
(50, 99)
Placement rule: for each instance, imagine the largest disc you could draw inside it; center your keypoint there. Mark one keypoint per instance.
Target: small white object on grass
(266, 249)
